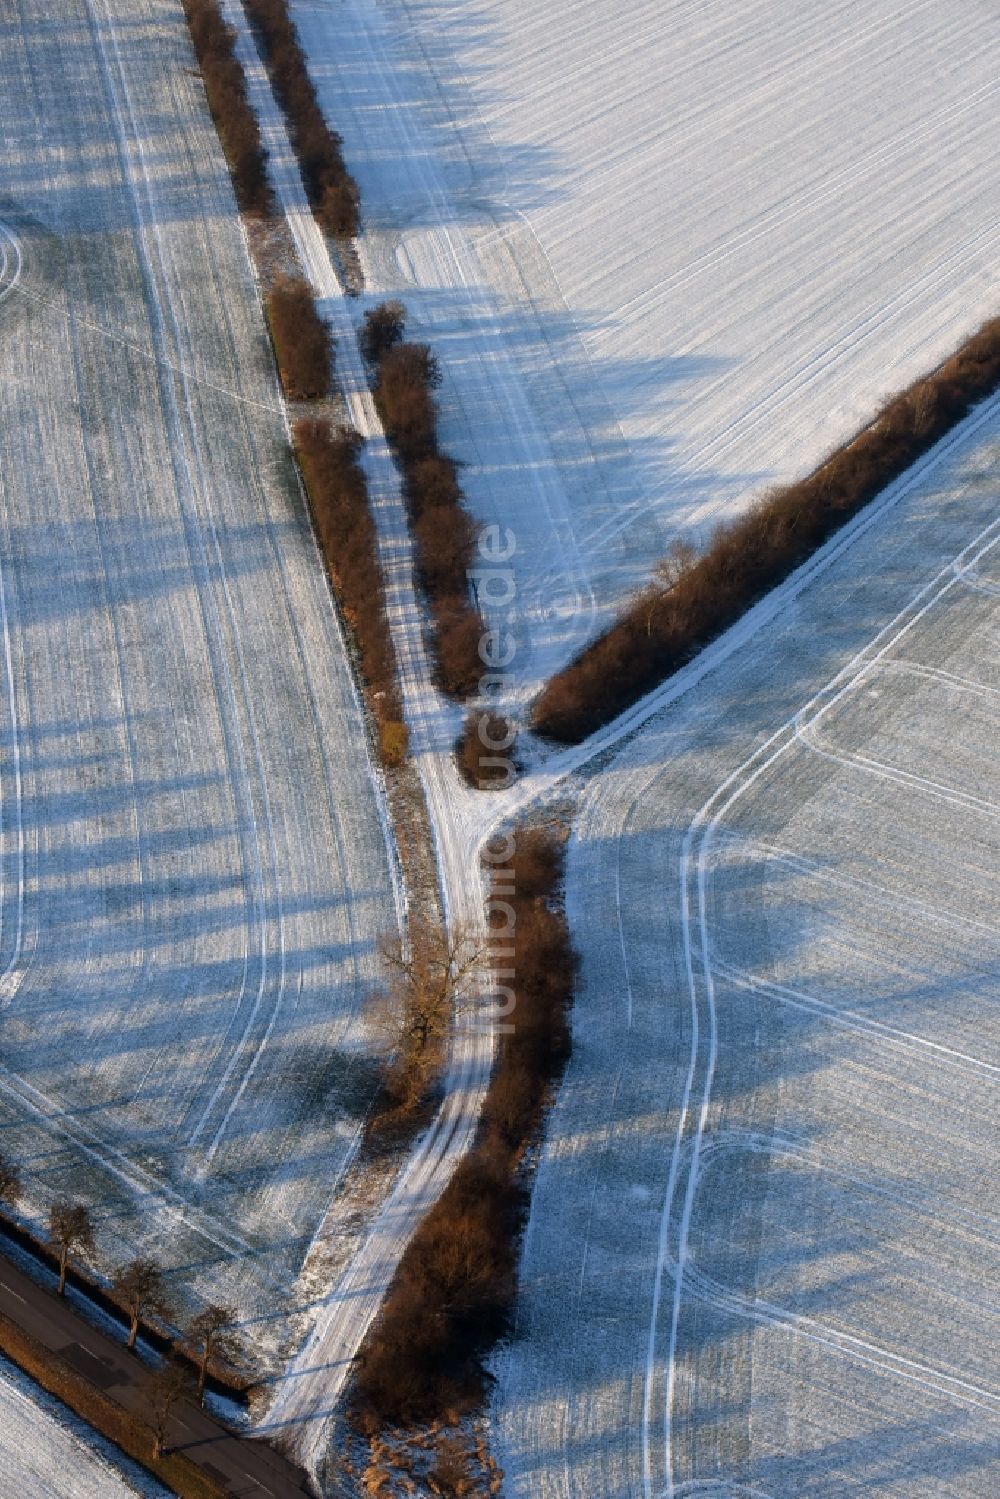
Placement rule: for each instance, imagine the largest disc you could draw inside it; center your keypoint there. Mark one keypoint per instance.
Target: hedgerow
(225, 87)
(342, 520)
(666, 624)
(453, 1293)
(331, 190)
(444, 535)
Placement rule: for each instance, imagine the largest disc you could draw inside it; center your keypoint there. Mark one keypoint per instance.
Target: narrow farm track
(772, 1141)
(306, 1395)
(194, 864)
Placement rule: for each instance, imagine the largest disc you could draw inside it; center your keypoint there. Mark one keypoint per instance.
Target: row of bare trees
(444, 535)
(225, 86)
(138, 1288)
(695, 597)
(453, 1292)
(332, 191)
(328, 458)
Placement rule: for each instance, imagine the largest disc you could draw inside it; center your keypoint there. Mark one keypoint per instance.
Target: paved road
(243, 1466)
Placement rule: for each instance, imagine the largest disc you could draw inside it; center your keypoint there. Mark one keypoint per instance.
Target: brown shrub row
(665, 625)
(99, 1410)
(342, 519)
(303, 343)
(332, 191)
(444, 535)
(225, 86)
(453, 1293)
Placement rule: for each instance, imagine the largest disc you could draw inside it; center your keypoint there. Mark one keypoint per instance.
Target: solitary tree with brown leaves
(382, 330)
(139, 1287)
(429, 982)
(71, 1228)
(212, 1334)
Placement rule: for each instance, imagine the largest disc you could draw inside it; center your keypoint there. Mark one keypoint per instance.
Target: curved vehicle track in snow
(799, 963)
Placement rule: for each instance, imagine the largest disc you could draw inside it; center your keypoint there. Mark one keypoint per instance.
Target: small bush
(394, 742)
(487, 751)
(445, 538)
(666, 625)
(302, 339)
(458, 631)
(432, 484)
(404, 394)
(382, 331)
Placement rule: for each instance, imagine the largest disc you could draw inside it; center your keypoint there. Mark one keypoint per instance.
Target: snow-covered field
(761, 1258)
(46, 1453)
(667, 256)
(669, 253)
(194, 866)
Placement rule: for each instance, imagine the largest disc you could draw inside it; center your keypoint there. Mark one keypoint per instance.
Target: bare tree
(212, 1334)
(680, 557)
(71, 1228)
(139, 1287)
(10, 1183)
(429, 983)
(166, 1387)
(383, 329)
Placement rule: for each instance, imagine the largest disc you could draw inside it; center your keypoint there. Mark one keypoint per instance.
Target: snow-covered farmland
(45, 1453)
(762, 1252)
(194, 866)
(669, 252)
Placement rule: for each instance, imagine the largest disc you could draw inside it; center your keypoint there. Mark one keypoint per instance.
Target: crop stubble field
(786, 1057)
(669, 254)
(194, 862)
